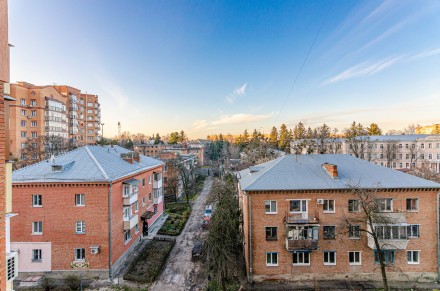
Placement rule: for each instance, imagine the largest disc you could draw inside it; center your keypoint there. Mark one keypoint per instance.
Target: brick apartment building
(292, 212)
(88, 207)
(52, 111)
(392, 151)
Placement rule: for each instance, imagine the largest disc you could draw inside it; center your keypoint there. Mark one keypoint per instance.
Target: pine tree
(374, 129)
(273, 138)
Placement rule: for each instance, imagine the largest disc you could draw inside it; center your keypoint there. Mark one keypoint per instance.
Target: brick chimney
(332, 170)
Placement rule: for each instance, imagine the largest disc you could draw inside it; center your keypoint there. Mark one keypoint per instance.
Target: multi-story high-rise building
(305, 218)
(8, 257)
(61, 111)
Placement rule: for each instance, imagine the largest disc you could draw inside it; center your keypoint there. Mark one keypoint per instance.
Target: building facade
(87, 209)
(392, 151)
(294, 210)
(60, 111)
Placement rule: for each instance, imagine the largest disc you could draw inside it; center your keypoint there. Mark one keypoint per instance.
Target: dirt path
(180, 272)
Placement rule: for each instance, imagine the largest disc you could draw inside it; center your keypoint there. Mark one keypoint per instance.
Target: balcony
(130, 199)
(157, 195)
(157, 183)
(302, 218)
(301, 244)
(129, 223)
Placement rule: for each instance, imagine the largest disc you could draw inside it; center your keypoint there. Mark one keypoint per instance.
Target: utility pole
(102, 132)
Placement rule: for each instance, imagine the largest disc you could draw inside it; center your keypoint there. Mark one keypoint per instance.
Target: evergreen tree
(374, 129)
(284, 137)
(299, 131)
(273, 139)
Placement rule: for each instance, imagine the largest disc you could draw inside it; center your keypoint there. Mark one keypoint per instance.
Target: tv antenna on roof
(119, 129)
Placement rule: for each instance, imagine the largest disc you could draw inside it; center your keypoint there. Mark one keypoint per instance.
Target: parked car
(208, 211)
(198, 250)
(206, 222)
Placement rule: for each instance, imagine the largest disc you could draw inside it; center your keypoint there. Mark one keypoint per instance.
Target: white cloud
(240, 118)
(425, 54)
(237, 92)
(199, 124)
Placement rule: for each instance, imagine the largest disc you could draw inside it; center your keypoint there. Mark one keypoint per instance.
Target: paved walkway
(180, 272)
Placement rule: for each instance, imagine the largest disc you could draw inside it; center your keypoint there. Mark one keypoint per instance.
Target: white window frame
(136, 228)
(412, 261)
(80, 227)
(37, 255)
(411, 233)
(271, 255)
(270, 203)
(127, 213)
(149, 179)
(37, 227)
(327, 204)
(143, 201)
(302, 203)
(37, 200)
(384, 202)
(81, 201)
(82, 254)
(354, 237)
(128, 238)
(417, 205)
(328, 258)
(136, 207)
(303, 259)
(354, 263)
(357, 204)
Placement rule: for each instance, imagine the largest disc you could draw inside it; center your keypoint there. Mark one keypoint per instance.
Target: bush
(72, 282)
(47, 284)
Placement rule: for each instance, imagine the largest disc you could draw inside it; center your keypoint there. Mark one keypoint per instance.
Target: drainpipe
(250, 236)
(110, 208)
(438, 238)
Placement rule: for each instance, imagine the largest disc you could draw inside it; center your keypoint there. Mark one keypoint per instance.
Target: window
(353, 205)
(37, 200)
(329, 258)
(136, 228)
(422, 145)
(391, 232)
(354, 258)
(271, 259)
(127, 236)
(413, 231)
(430, 156)
(149, 197)
(412, 204)
(33, 123)
(354, 231)
(329, 231)
(136, 206)
(270, 207)
(34, 134)
(23, 112)
(155, 209)
(80, 199)
(413, 257)
(149, 179)
(422, 156)
(23, 102)
(127, 213)
(298, 206)
(80, 227)
(37, 227)
(271, 233)
(384, 204)
(80, 254)
(143, 182)
(23, 134)
(36, 255)
(34, 102)
(329, 206)
(301, 258)
(388, 256)
(34, 113)
(143, 201)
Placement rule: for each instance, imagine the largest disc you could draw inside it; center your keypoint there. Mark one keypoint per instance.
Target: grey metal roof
(305, 172)
(88, 164)
(400, 137)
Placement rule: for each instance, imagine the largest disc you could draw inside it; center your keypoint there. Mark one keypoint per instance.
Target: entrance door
(145, 228)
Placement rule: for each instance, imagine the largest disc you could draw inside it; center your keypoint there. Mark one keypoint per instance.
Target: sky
(210, 67)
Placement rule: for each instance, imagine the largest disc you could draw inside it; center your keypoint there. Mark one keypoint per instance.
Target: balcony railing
(301, 244)
(157, 195)
(157, 184)
(302, 218)
(128, 200)
(129, 223)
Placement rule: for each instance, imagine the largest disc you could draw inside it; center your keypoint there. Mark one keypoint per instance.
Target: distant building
(292, 211)
(52, 111)
(86, 208)
(429, 129)
(392, 151)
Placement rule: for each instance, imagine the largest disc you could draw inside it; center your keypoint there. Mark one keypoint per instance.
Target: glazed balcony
(301, 244)
(157, 195)
(302, 218)
(130, 222)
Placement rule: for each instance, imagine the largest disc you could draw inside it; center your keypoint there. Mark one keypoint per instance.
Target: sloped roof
(86, 164)
(305, 172)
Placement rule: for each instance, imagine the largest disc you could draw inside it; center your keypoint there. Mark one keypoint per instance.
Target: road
(180, 272)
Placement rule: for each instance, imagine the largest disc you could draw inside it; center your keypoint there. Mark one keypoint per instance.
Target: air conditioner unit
(94, 250)
(30, 106)
(29, 116)
(320, 201)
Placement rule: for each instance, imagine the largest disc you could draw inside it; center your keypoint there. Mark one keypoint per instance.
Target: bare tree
(368, 215)
(390, 152)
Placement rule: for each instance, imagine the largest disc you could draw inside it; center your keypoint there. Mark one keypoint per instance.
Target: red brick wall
(427, 243)
(59, 215)
(2, 191)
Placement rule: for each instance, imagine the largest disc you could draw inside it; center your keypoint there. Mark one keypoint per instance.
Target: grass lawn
(178, 213)
(148, 265)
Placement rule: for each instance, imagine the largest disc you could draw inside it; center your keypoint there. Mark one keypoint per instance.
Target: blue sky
(223, 66)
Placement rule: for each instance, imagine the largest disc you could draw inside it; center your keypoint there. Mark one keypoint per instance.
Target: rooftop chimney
(332, 170)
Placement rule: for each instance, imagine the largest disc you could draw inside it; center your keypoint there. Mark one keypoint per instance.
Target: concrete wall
(25, 263)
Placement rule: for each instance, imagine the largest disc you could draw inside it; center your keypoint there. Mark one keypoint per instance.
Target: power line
(303, 63)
